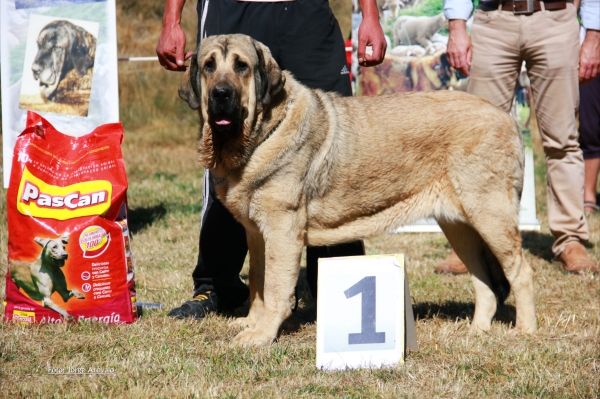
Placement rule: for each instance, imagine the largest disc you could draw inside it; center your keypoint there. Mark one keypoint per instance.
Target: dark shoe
(575, 259)
(198, 307)
(451, 265)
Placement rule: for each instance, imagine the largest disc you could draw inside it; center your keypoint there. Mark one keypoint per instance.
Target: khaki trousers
(548, 41)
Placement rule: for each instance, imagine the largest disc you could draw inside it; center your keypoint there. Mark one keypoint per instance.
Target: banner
(59, 58)
(417, 35)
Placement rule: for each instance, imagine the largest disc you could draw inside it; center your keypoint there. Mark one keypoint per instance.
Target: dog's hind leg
(469, 247)
(499, 229)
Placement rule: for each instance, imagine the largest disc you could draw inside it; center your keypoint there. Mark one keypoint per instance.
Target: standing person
(304, 38)
(546, 37)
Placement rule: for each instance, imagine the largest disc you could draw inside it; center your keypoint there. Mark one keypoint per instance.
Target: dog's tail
(500, 284)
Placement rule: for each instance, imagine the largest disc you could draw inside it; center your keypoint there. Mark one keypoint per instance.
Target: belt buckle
(529, 9)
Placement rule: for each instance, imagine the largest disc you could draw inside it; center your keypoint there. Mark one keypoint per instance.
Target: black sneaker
(198, 307)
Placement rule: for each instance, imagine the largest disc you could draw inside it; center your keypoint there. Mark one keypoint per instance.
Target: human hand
(459, 48)
(589, 57)
(171, 48)
(370, 34)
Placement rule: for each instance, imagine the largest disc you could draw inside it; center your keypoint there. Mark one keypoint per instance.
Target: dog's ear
(80, 51)
(41, 241)
(445, 62)
(189, 90)
(270, 79)
(64, 239)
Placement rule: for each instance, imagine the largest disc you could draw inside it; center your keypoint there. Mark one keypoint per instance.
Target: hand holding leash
(171, 44)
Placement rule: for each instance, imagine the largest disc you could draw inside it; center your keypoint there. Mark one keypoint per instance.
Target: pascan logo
(39, 199)
(23, 317)
(93, 241)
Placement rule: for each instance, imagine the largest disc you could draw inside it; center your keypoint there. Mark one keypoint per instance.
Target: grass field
(160, 357)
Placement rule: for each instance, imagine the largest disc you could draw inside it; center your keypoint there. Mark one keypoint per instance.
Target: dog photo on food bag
(59, 65)
(298, 167)
(44, 276)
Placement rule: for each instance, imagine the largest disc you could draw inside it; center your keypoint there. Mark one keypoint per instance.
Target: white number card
(361, 312)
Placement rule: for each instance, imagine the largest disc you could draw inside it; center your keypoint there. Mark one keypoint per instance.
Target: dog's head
(53, 250)
(432, 72)
(232, 79)
(441, 65)
(62, 46)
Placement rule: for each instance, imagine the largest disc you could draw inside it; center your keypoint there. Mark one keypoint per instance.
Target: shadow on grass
(449, 311)
(538, 244)
(140, 218)
(452, 310)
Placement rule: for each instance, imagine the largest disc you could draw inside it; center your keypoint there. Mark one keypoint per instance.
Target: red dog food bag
(69, 251)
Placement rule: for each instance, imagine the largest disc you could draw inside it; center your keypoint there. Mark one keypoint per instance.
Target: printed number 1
(367, 335)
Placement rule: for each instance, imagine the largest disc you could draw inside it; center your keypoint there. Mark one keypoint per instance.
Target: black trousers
(304, 38)
(589, 119)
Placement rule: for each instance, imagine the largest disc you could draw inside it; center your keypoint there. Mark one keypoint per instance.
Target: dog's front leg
(256, 246)
(283, 248)
(48, 303)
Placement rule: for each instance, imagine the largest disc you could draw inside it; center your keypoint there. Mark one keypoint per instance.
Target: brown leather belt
(531, 6)
(526, 6)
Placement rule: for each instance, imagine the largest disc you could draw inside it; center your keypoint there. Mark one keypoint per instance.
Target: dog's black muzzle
(224, 109)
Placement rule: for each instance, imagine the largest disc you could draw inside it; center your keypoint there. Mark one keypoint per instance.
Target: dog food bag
(69, 250)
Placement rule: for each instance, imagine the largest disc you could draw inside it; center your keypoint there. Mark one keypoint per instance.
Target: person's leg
(222, 250)
(494, 72)
(222, 244)
(310, 45)
(551, 49)
(552, 53)
(589, 140)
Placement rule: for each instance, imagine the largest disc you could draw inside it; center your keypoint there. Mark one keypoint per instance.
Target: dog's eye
(241, 66)
(209, 65)
(436, 67)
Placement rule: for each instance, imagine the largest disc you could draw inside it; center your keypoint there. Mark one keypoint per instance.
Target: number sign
(361, 312)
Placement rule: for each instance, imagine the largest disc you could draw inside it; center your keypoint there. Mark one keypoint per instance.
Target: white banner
(59, 59)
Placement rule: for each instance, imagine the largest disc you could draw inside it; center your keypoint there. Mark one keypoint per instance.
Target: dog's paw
(254, 337)
(522, 329)
(242, 322)
(476, 329)
(77, 294)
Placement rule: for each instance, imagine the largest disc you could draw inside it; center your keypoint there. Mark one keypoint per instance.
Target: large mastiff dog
(302, 167)
(62, 47)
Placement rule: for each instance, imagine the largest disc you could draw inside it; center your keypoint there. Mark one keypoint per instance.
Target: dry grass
(159, 357)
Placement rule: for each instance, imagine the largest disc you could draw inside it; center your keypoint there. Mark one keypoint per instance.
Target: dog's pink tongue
(223, 122)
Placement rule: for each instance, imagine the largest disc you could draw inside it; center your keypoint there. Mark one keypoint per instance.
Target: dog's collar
(220, 179)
